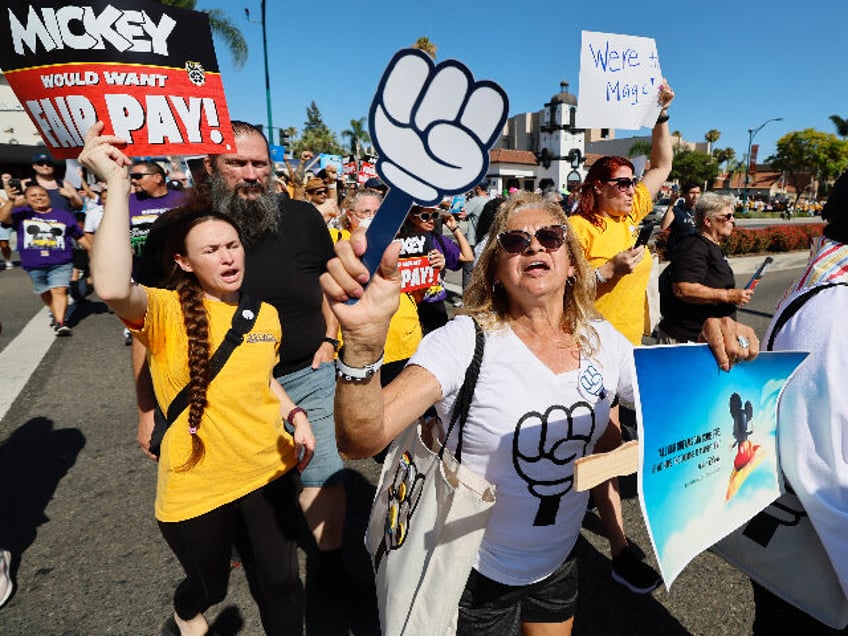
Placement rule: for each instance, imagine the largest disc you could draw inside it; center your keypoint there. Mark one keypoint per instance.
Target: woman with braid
(227, 460)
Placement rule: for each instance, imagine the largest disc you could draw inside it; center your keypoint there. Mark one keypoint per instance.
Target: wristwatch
(356, 374)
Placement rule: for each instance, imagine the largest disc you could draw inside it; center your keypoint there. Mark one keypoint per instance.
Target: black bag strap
(792, 308)
(466, 392)
(243, 319)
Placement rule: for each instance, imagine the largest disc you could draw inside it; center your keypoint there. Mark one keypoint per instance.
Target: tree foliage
(316, 136)
(221, 26)
(807, 156)
(640, 148)
(696, 166)
(357, 135)
(711, 136)
(424, 44)
(841, 125)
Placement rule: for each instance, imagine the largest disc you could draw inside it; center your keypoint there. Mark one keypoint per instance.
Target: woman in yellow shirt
(226, 461)
(612, 202)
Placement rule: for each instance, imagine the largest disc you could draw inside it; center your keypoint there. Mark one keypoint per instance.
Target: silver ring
(743, 341)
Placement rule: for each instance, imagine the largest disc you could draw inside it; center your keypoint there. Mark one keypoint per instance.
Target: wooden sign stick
(595, 469)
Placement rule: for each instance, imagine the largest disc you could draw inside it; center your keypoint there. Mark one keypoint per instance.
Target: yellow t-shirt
(246, 444)
(404, 328)
(620, 301)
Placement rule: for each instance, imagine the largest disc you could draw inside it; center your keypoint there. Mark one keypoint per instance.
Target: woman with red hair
(612, 202)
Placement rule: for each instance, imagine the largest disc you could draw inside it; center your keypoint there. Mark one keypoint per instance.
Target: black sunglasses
(623, 183)
(725, 217)
(550, 237)
(43, 162)
(139, 175)
(428, 216)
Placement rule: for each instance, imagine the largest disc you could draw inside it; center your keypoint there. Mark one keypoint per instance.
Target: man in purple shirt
(44, 244)
(150, 198)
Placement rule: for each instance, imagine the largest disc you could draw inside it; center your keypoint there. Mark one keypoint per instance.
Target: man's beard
(256, 218)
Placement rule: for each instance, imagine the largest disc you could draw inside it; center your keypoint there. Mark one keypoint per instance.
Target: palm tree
(711, 136)
(424, 44)
(841, 125)
(221, 26)
(358, 135)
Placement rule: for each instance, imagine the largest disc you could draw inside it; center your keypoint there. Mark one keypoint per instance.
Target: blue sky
(733, 64)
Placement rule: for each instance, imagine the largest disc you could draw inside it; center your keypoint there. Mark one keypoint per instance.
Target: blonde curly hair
(489, 304)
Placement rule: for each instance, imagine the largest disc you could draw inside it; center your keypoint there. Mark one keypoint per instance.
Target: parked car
(658, 211)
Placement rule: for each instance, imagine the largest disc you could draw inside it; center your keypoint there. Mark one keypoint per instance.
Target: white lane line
(21, 357)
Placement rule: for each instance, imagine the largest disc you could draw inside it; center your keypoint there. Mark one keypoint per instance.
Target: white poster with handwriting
(620, 80)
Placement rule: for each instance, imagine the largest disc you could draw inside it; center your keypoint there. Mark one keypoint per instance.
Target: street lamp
(265, 53)
(752, 132)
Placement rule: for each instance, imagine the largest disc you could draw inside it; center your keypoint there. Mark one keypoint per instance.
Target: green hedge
(778, 238)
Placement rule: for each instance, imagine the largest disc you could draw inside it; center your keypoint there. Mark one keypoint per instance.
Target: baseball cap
(42, 157)
(375, 184)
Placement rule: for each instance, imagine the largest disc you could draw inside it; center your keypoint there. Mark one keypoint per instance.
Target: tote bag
(780, 550)
(427, 521)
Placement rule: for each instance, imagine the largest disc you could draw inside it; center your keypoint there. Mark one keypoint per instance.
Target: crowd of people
(557, 287)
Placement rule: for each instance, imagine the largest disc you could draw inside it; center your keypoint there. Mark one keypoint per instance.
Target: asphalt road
(76, 508)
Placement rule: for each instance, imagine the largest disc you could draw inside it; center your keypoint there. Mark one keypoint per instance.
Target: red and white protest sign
(148, 71)
(417, 273)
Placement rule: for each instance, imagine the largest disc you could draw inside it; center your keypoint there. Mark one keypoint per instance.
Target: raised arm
(662, 153)
(466, 254)
(368, 417)
(111, 255)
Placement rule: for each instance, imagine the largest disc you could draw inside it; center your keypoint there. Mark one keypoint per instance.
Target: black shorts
(489, 608)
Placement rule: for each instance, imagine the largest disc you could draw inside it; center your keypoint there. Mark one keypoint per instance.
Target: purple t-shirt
(145, 210)
(44, 240)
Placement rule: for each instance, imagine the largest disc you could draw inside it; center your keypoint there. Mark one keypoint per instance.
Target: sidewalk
(740, 265)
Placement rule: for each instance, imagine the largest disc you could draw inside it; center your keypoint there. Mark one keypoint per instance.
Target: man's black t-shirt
(283, 271)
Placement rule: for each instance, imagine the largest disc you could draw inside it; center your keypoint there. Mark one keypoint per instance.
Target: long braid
(197, 329)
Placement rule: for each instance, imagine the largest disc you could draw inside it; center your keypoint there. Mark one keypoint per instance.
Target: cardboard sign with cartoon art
(148, 71)
(432, 126)
(708, 448)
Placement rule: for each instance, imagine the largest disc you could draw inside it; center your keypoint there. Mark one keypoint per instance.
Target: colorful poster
(620, 80)
(148, 71)
(708, 449)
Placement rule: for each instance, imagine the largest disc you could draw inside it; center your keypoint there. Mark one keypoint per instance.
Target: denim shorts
(489, 608)
(5, 233)
(314, 391)
(51, 277)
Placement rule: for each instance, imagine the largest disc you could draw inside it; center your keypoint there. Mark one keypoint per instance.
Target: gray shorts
(314, 390)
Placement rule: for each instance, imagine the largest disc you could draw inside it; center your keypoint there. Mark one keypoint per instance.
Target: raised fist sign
(432, 126)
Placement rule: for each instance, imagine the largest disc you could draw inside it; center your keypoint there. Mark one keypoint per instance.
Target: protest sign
(620, 81)
(432, 126)
(417, 273)
(708, 449)
(146, 70)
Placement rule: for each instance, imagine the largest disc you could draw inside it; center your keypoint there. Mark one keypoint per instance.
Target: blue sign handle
(385, 226)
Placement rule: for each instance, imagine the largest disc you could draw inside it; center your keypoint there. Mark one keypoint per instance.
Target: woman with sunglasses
(444, 253)
(228, 469)
(611, 204)
(550, 371)
(699, 282)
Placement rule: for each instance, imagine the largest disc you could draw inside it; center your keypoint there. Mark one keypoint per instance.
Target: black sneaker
(62, 329)
(633, 573)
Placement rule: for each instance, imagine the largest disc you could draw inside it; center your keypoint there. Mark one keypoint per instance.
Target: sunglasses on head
(624, 183)
(428, 216)
(550, 237)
